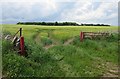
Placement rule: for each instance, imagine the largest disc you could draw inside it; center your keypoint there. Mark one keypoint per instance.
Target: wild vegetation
(58, 52)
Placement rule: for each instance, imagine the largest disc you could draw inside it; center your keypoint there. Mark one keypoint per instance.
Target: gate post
(81, 36)
(22, 52)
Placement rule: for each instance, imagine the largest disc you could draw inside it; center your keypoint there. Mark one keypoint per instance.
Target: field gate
(21, 42)
(92, 35)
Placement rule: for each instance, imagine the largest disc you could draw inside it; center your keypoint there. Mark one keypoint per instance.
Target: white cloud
(80, 10)
(106, 0)
(32, 1)
(83, 11)
(112, 16)
(28, 10)
(76, 11)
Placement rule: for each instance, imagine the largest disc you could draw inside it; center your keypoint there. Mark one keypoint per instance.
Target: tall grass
(106, 48)
(78, 59)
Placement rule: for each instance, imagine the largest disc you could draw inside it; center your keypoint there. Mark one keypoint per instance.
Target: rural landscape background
(52, 37)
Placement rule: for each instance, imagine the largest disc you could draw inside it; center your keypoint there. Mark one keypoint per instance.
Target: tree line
(95, 25)
(60, 24)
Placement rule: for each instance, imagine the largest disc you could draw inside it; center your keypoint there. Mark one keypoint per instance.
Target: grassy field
(57, 52)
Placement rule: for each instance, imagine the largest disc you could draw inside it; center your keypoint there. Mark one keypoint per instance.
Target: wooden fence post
(20, 32)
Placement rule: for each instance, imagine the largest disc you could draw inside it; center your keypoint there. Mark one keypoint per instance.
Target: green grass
(78, 59)
(59, 33)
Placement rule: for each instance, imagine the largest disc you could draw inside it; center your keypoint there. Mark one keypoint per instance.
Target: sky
(80, 11)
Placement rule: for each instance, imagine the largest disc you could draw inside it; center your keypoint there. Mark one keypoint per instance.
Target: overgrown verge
(79, 59)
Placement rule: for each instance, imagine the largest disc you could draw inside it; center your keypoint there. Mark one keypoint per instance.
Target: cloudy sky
(81, 11)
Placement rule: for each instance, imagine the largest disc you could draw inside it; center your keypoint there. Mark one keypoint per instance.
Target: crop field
(56, 51)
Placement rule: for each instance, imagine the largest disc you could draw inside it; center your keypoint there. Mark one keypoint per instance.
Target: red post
(81, 36)
(22, 52)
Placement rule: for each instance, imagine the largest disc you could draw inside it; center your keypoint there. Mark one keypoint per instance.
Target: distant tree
(56, 23)
(43, 23)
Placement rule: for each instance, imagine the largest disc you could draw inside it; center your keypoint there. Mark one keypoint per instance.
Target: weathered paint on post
(81, 36)
(22, 52)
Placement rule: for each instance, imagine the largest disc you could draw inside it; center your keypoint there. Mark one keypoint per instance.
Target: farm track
(68, 41)
(55, 43)
(113, 70)
(67, 68)
(49, 46)
(37, 37)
